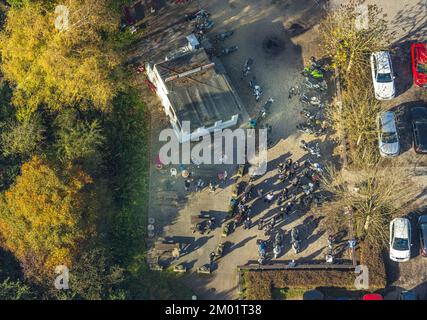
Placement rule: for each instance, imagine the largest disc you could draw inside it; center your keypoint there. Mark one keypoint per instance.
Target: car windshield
(422, 68)
(421, 135)
(389, 137)
(424, 231)
(383, 77)
(400, 244)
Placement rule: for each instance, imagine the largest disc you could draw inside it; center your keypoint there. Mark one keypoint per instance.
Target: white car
(382, 75)
(400, 239)
(388, 140)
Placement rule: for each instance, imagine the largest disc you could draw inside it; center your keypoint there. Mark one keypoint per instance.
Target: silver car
(388, 139)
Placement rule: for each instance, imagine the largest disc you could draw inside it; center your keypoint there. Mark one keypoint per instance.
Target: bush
(22, 139)
(259, 284)
(372, 257)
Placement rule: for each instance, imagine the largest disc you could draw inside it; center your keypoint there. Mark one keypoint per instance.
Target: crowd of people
(298, 182)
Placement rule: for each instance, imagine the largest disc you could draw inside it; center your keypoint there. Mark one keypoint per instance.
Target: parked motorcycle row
(274, 245)
(202, 23)
(313, 95)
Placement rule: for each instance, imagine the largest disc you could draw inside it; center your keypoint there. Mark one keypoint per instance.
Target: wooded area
(74, 156)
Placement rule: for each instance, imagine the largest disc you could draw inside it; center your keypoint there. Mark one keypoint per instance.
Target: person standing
(288, 164)
(211, 187)
(269, 197)
(247, 224)
(187, 184)
(260, 223)
(282, 213)
(285, 193)
(212, 257)
(273, 221)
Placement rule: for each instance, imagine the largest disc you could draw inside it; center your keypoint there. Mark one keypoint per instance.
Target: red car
(372, 296)
(419, 63)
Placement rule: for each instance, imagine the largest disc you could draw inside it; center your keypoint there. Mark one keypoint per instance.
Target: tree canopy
(44, 216)
(77, 139)
(60, 65)
(22, 139)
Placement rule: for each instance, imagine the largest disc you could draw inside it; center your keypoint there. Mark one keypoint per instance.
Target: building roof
(198, 89)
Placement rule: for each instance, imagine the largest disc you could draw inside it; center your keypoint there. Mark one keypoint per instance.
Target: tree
(349, 43)
(22, 139)
(15, 290)
(77, 139)
(357, 118)
(60, 64)
(376, 194)
(93, 277)
(45, 216)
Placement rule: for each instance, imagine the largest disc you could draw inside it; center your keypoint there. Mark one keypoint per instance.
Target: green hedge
(259, 284)
(373, 259)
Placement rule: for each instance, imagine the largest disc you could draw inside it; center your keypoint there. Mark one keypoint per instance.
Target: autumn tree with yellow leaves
(59, 58)
(45, 216)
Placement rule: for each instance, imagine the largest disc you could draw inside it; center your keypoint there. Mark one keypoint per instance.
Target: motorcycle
(313, 150)
(314, 101)
(315, 64)
(257, 90)
(203, 26)
(310, 115)
(307, 200)
(304, 128)
(314, 71)
(311, 127)
(314, 166)
(264, 109)
(201, 14)
(308, 188)
(224, 35)
(226, 51)
(247, 67)
(296, 243)
(314, 84)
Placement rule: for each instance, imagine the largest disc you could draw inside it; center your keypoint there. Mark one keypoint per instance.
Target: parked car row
(401, 238)
(385, 89)
(403, 295)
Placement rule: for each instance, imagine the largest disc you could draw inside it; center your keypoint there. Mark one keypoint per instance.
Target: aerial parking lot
(277, 40)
